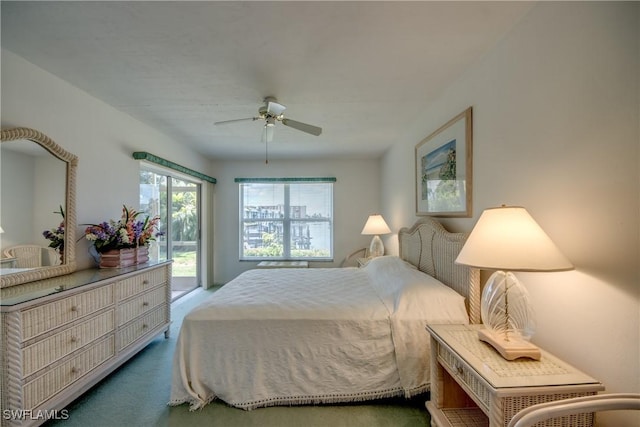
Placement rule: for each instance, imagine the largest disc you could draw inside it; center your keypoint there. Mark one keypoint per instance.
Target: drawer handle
(74, 339)
(75, 308)
(145, 326)
(75, 370)
(144, 304)
(145, 282)
(459, 369)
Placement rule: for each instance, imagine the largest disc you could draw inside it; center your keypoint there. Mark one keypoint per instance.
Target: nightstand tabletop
(501, 373)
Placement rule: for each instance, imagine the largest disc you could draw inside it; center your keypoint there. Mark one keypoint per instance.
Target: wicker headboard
(432, 249)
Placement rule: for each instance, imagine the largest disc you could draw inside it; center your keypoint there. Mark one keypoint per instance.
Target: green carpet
(137, 394)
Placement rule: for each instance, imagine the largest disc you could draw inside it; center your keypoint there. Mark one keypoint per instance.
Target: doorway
(177, 201)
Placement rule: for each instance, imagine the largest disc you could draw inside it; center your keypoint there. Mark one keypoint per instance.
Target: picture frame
(444, 169)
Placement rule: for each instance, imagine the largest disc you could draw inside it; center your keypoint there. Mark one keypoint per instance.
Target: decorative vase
(142, 254)
(94, 254)
(118, 258)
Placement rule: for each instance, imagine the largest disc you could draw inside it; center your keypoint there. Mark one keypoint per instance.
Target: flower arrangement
(56, 235)
(127, 232)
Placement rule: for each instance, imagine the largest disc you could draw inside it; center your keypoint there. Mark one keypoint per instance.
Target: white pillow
(410, 293)
(386, 264)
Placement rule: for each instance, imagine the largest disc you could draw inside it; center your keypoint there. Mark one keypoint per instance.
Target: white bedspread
(298, 336)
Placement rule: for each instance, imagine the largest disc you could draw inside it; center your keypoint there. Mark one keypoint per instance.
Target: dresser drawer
(140, 283)
(48, 384)
(49, 316)
(465, 375)
(142, 326)
(133, 308)
(43, 353)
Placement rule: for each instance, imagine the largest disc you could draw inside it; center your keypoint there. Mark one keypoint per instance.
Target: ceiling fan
(271, 112)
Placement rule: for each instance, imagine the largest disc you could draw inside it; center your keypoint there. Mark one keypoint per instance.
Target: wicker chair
(578, 405)
(27, 256)
(351, 260)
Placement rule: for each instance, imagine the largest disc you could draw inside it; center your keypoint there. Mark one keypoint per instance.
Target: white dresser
(61, 336)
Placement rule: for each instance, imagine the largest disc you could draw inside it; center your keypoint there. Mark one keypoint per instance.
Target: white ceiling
(363, 71)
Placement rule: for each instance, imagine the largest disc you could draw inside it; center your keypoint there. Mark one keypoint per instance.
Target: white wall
(557, 129)
(356, 196)
(102, 137)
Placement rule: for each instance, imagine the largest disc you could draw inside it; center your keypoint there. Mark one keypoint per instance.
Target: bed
(325, 335)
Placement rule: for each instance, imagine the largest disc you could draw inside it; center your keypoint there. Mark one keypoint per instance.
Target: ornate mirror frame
(71, 161)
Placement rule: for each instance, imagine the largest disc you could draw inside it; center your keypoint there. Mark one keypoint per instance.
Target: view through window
(288, 220)
(176, 201)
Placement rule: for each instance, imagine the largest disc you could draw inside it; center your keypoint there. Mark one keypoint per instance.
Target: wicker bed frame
(433, 250)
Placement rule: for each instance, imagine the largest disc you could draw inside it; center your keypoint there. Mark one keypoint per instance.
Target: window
(288, 219)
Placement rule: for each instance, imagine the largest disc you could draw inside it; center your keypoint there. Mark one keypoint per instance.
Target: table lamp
(376, 225)
(508, 239)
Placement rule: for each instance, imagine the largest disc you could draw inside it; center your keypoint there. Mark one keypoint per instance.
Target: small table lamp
(508, 239)
(375, 225)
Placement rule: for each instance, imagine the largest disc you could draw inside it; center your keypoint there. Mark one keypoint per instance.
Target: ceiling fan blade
(313, 130)
(275, 109)
(224, 122)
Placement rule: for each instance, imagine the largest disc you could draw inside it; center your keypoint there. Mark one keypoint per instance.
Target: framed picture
(444, 169)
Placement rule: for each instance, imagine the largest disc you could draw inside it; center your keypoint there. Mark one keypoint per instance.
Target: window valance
(143, 155)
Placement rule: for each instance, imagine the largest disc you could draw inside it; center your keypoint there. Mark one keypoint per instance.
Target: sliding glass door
(184, 239)
(177, 201)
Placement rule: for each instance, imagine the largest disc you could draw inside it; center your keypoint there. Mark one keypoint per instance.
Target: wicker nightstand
(472, 385)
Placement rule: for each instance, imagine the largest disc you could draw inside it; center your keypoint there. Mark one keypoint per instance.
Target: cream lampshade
(508, 239)
(375, 226)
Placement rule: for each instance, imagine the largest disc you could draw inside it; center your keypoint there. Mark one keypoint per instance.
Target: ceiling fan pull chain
(266, 152)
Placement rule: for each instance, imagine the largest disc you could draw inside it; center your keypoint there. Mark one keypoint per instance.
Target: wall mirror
(37, 194)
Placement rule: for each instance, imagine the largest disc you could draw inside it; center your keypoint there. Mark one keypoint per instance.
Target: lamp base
(512, 349)
(376, 248)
